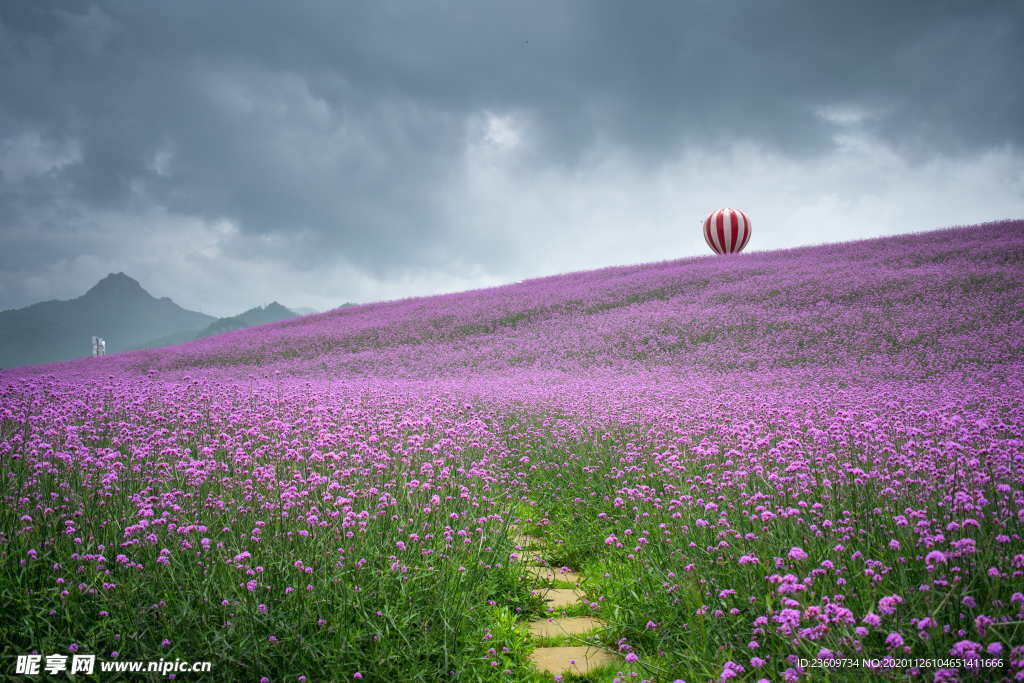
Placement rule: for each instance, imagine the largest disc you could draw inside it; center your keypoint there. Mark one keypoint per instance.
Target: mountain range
(261, 315)
(118, 309)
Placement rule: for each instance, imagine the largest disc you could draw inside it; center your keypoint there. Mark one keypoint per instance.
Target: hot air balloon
(727, 231)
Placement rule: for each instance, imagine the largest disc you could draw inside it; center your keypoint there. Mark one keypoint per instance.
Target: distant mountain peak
(120, 278)
(260, 315)
(117, 284)
(116, 308)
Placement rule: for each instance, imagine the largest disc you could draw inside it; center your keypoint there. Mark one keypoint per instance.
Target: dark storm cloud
(343, 126)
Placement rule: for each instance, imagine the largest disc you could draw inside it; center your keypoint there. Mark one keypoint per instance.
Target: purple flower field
(756, 460)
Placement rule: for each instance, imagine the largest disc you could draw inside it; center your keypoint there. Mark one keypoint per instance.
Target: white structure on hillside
(99, 346)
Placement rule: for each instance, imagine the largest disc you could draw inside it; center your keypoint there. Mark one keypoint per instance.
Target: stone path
(563, 660)
(559, 597)
(550, 574)
(560, 660)
(564, 626)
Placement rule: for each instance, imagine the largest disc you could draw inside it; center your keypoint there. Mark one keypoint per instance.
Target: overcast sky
(227, 154)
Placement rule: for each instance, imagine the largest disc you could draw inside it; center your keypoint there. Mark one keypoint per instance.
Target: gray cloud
(229, 153)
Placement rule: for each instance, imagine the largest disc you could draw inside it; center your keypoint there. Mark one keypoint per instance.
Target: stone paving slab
(559, 597)
(563, 660)
(564, 626)
(549, 574)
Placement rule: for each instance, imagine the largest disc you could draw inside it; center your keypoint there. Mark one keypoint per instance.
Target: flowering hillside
(913, 304)
(758, 463)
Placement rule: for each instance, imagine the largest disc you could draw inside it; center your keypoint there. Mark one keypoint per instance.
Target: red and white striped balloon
(727, 231)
